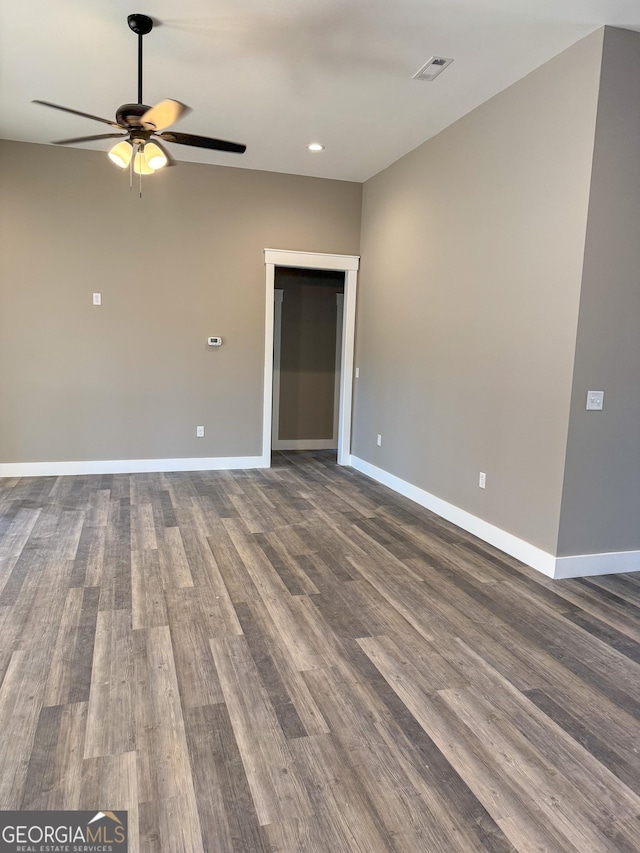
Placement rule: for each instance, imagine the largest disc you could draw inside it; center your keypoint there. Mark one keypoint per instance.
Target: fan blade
(202, 142)
(163, 114)
(90, 138)
(78, 113)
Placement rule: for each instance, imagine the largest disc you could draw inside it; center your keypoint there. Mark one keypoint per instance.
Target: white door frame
(348, 264)
(338, 368)
(277, 346)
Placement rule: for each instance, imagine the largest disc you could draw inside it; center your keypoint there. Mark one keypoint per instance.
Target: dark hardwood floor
(298, 659)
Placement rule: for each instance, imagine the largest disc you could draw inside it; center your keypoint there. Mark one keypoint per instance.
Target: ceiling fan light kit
(154, 156)
(140, 165)
(139, 146)
(121, 154)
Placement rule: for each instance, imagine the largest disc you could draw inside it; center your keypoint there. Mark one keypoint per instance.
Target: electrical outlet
(379, 441)
(357, 373)
(482, 482)
(595, 401)
(200, 432)
(97, 299)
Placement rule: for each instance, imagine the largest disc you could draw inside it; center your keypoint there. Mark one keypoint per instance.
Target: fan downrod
(140, 24)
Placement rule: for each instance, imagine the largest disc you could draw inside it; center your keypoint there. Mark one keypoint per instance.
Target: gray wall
(601, 498)
(472, 249)
(308, 352)
(133, 378)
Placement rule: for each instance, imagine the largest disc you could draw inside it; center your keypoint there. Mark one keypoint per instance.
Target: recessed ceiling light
(315, 146)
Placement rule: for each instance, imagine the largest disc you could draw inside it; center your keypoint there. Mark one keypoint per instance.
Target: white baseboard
(554, 567)
(305, 444)
(585, 565)
(131, 466)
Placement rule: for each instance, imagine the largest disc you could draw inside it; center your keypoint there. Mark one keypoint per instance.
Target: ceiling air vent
(432, 68)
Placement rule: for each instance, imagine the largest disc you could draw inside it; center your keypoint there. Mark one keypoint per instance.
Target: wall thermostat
(214, 342)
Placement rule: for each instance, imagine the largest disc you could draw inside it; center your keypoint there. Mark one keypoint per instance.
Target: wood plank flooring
(298, 659)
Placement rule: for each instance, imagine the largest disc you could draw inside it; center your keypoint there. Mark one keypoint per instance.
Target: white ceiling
(278, 74)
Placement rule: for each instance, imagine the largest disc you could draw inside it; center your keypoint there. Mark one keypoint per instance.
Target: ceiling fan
(144, 126)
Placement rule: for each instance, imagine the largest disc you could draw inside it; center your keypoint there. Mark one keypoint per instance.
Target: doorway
(307, 336)
(347, 265)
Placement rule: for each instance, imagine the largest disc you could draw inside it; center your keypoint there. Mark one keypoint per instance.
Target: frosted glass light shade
(154, 156)
(140, 166)
(121, 154)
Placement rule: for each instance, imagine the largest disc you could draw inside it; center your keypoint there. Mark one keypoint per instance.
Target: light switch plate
(595, 401)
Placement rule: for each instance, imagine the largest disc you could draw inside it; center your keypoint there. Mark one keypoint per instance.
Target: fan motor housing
(129, 115)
